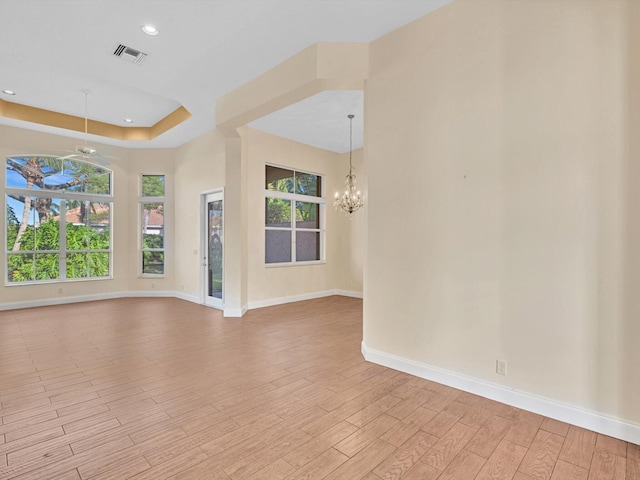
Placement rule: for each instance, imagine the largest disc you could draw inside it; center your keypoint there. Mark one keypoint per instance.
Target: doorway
(213, 243)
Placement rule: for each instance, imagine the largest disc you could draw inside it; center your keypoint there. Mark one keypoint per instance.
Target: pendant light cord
(350, 142)
(86, 118)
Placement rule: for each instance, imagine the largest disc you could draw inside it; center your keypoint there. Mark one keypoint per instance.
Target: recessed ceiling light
(8, 92)
(128, 120)
(150, 30)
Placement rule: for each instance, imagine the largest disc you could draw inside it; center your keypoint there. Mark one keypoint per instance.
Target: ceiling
(52, 51)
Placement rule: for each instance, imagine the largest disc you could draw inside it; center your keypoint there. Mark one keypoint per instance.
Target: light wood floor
(161, 388)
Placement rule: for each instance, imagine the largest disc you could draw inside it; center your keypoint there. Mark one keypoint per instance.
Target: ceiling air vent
(129, 54)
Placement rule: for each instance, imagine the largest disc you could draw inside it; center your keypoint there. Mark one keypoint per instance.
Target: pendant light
(351, 200)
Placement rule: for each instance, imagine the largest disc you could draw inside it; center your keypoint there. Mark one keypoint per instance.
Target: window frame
(142, 201)
(64, 196)
(293, 198)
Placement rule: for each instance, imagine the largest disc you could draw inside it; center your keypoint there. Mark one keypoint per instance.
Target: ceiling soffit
(321, 67)
(26, 113)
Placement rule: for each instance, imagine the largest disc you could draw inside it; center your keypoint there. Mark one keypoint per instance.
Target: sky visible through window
(15, 180)
(54, 174)
(58, 219)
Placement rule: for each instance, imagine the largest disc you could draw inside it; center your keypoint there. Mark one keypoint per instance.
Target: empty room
(320, 239)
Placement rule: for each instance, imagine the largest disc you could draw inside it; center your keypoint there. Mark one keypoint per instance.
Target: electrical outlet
(501, 367)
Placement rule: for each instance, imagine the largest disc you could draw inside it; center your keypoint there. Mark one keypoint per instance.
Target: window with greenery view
(294, 216)
(58, 219)
(152, 224)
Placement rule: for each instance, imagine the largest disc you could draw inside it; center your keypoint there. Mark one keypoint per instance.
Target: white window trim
(63, 196)
(141, 201)
(293, 198)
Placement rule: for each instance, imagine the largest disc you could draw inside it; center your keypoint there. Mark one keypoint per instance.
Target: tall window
(294, 216)
(58, 219)
(152, 224)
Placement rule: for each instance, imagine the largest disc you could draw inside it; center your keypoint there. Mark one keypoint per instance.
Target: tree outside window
(58, 219)
(294, 216)
(152, 224)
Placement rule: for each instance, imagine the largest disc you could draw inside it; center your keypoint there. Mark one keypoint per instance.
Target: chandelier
(351, 200)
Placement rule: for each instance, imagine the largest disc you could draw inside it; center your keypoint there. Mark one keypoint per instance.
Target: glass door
(214, 254)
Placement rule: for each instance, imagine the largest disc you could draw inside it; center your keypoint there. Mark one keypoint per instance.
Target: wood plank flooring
(166, 389)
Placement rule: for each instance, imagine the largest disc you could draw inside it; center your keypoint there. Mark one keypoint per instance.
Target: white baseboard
(188, 298)
(597, 422)
(60, 301)
(347, 293)
(151, 293)
(298, 298)
(228, 312)
(234, 312)
(84, 298)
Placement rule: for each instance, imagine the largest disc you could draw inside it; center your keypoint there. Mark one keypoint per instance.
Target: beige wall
(151, 162)
(501, 159)
(501, 152)
(14, 141)
(352, 240)
(199, 168)
(497, 232)
(269, 283)
(191, 170)
(627, 332)
(235, 227)
(197, 171)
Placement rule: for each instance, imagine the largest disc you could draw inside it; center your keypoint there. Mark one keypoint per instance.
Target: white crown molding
(597, 422)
